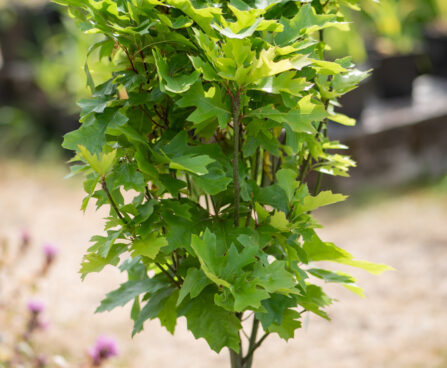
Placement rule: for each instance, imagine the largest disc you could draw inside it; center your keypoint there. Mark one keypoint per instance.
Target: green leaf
(247, 294)
(169, 83)
(274, 196)
(236, 261)
(304, 22)
(227, 32)
(267, 65)
(214, 182)
(217, 326)
(91, 137)
(168, 314)
(279, 221)
(93, 262)
(193, 284)
(127, 292)
(289, 323)
(205, 68)
(128, 176)
(210, 261)
(209, 105)
(355, 289)
(346, 280)
(331, 276)
(274, 307)
(284, 82)
(103, 244)
(176, 23)
(374, 268)
(314, 299)
(262, 213)
(173, 185)
(203, 16)
(318, 250)
(149, 246)
(324, 198)
(342, 119)
(112, 118)
(275, 278)
(345, 82)
(135, 310)
(158, 302)
(299, 119)
(97, 104)
(193, 163)
(287, 180)
(101, 164)
(145, 211)
(327, 67)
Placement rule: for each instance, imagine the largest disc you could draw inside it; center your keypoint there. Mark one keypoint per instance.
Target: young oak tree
(201, 142)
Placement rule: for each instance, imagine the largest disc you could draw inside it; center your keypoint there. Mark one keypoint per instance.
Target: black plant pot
(353, 103)
(393, 76)
(436, 48)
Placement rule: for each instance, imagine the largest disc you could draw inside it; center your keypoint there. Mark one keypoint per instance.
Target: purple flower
(105, 348)
(35, 306)
(50, 251)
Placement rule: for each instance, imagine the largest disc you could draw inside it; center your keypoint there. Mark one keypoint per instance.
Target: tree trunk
(235, 359)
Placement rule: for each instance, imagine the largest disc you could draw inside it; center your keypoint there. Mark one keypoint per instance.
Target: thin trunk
(237, 185)
(235, 359)
(252, 342)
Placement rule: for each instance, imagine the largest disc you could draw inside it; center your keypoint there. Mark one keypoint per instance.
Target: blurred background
(397, 213)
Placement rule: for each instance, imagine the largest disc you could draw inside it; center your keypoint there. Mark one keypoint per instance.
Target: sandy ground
(402, 323)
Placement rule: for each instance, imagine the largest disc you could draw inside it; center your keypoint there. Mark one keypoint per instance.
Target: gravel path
(402, 323)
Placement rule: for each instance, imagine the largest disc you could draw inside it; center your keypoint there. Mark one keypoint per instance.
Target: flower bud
(105, 348)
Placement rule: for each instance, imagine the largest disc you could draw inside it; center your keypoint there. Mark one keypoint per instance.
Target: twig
(255, 346)
(112, 202)
(130, 59)
(176, 283)
(149, 117)
(145, 67)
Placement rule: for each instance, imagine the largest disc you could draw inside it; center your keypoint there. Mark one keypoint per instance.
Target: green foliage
(213, 117)
(397, 26)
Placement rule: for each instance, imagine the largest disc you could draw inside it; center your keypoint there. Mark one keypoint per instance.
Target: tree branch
(149, 117)
(174, 281)
(130, 59)
(145, 67)
(255, 346)
(112, 202)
